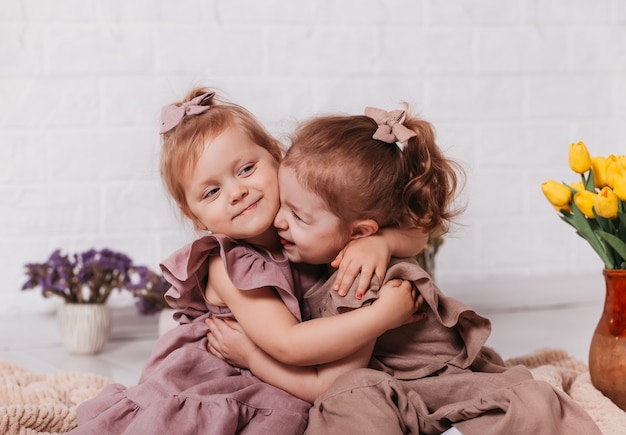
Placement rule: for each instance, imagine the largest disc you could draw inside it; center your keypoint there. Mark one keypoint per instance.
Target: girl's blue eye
(246, 170)
(211, 193)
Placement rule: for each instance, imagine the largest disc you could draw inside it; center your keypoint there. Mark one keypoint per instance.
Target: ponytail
(433, 179)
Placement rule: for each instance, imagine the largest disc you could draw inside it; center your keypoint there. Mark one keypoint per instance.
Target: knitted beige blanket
(37, 403)
(572, 376)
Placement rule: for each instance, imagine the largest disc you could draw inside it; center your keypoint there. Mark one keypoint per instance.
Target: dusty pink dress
(425, 377)
(184, 389)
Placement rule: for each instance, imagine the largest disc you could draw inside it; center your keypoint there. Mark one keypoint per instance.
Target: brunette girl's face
(233, 189)
(309, 231)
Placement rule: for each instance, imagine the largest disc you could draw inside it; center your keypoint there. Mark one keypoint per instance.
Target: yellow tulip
(611, 168)
(579, 159)
(598, 166)
(619, 183)
(557, 193)
(606, 203)
(585, 200)
(577, 186)
(567, 208)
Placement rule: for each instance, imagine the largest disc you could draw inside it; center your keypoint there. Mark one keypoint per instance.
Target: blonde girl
(220, 167)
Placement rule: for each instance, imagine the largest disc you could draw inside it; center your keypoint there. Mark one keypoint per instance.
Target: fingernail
(359, 295)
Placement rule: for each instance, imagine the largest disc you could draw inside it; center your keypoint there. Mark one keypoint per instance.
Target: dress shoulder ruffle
(248, 268)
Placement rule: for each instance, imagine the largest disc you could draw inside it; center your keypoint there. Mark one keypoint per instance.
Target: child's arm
(273, 328)
(228, 341)
(370, 256)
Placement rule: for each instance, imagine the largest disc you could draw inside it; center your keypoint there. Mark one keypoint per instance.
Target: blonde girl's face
(309, 232)
(233, 189)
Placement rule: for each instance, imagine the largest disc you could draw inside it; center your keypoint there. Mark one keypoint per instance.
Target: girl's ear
(363, 228)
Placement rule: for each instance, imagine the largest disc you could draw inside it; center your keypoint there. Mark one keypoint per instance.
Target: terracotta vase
(607, 354)
(84, 328)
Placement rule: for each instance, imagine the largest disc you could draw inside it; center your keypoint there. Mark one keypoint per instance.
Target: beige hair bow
(172, 115)
(390, 128)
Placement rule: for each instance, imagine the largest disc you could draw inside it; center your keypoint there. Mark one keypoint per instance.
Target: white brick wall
(507, 83)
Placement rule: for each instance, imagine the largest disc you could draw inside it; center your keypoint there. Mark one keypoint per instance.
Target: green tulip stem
(587, 229)
(589, 183)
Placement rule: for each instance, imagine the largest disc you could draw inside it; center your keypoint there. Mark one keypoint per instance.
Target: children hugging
(345, 178)
(220, 167)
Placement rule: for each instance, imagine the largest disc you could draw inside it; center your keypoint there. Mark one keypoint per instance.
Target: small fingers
(365, 281)
(362, 286)
(216, 353)
(338, 284)
(346, 275)
(337, 261)
(215, 330)
(419, 302)
(215, 323)
(211, 346)
(407, 285)
(233, 324)
(380, 274)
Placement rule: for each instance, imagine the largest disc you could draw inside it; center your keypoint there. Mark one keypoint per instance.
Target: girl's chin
(292, 254)
(295, 257)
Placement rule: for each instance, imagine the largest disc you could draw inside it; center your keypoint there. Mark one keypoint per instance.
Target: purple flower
(150, 293)
(91, 277)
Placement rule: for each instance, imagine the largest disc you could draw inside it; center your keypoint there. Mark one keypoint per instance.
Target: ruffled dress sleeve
(455, 333)
(248, 268)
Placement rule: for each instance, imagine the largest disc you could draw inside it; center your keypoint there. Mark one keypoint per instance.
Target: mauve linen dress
(424, 377)
(184, 389)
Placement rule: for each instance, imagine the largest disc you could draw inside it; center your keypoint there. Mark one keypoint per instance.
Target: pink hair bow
(390, 129)
(172, 115)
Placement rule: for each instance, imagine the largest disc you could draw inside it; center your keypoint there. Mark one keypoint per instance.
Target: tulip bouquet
(596, 205)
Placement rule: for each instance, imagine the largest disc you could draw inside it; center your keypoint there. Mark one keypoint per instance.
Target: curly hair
(358, 177)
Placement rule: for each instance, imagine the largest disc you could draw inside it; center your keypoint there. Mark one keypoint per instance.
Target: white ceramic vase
(84, 328)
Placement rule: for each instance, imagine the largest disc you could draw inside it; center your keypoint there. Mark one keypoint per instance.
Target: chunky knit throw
(42, 403)
(562, 371)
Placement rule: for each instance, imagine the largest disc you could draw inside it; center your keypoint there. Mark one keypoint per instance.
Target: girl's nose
(279, 221)
(238, 192)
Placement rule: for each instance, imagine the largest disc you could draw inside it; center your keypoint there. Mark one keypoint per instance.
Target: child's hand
(399, 303)
(368, 256)
(229, 342)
